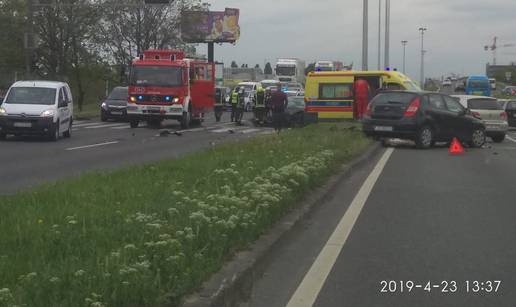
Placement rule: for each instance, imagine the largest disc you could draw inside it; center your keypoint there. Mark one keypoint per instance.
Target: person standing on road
(259, 109)
(279, 102)
(234, 103)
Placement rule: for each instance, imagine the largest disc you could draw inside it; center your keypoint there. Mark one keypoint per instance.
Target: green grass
(148, 235)
(89, 110)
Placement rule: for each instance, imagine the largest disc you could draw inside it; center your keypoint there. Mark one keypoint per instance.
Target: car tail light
(476, 114)
(503, 115)
(413, 108)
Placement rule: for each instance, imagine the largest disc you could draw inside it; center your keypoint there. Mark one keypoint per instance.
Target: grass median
(148, 235)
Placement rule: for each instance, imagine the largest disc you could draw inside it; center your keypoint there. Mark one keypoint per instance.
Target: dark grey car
(295, 110)
(115, 105)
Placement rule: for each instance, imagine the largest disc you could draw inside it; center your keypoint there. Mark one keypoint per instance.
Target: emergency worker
(259, 109)
(234, 103)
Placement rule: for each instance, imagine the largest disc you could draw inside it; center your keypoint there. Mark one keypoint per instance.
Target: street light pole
(365, 37)
(404, 43)
(387, 31)
(422, 31)
(379, 34)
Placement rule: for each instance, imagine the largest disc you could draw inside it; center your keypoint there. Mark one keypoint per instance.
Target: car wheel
(185, 121)
(103, 116)
(478, 138)
(68, 133)
(54, 133)
(425, 138)
(498, 138)
(134, 123)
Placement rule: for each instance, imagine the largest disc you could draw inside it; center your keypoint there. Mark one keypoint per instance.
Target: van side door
(63, 109)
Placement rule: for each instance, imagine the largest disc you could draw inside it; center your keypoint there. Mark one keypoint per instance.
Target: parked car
(423, 117)
(37, 108)
(295, 111)
(447, 83)
(490, 112)
(509, 90)
(115, 105)
(510, 108)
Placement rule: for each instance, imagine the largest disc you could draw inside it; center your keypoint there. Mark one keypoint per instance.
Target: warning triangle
(456, 147)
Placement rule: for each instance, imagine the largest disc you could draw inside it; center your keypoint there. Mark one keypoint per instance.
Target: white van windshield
(31, 95)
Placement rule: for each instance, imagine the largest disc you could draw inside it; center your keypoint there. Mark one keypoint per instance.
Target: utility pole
(387, 30)
(422, 31)
(379, 34)
(365, 37)
(29, 39)
(404, 44)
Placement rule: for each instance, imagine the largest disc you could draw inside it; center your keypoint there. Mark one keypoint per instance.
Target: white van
(37, 108)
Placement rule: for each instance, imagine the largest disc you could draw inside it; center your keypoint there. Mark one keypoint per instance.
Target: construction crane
(494, 47)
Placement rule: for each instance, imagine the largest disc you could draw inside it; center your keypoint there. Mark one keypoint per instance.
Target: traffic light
(157, 1)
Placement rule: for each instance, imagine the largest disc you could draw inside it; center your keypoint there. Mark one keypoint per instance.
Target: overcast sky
(332, 29)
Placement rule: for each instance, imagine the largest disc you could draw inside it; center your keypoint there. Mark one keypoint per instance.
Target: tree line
(84, 42)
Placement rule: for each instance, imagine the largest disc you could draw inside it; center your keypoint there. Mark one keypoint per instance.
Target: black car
(115, 105)
(423, 117)
(510, 109)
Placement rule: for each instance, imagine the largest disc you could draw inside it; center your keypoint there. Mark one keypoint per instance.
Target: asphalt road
(422, 216)
(29, 161)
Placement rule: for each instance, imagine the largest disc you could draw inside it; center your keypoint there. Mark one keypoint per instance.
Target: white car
(490, 111)
(37, 108)
(447, 82)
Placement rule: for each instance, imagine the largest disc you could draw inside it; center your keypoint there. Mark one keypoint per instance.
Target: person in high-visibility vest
(234, 103)
(259, 109)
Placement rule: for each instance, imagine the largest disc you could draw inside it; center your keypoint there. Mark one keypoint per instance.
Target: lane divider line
(106, 126)
(510, 139)
(309, 289)
(77, 125)
(92, 146)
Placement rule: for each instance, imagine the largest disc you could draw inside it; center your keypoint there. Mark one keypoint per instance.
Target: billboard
(206, 27)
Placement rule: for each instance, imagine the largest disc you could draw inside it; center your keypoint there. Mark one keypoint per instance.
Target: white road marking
(76, 125)
(106, 126)
(510, 139)
(247, 131)
(122, 127)
(93, 145)
(309, 289)
(223, 130)
(192, 130)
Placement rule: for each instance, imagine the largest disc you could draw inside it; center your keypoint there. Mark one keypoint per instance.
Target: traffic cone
(456, 148)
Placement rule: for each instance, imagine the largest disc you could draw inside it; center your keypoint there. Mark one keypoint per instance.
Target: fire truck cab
(163, 84)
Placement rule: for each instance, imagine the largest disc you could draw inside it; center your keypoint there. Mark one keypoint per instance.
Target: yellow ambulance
(329, 94)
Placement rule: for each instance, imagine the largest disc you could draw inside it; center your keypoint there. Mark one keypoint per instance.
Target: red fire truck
(165, 85)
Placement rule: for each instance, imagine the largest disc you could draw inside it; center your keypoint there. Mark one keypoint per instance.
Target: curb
(233, 284)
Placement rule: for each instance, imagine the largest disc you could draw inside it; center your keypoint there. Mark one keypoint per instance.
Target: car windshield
(286, 70)
(119, 94)
(479, 83)
(159, 76)
(246, 87)
(268, 84)
(484, 104)
(31, 95)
